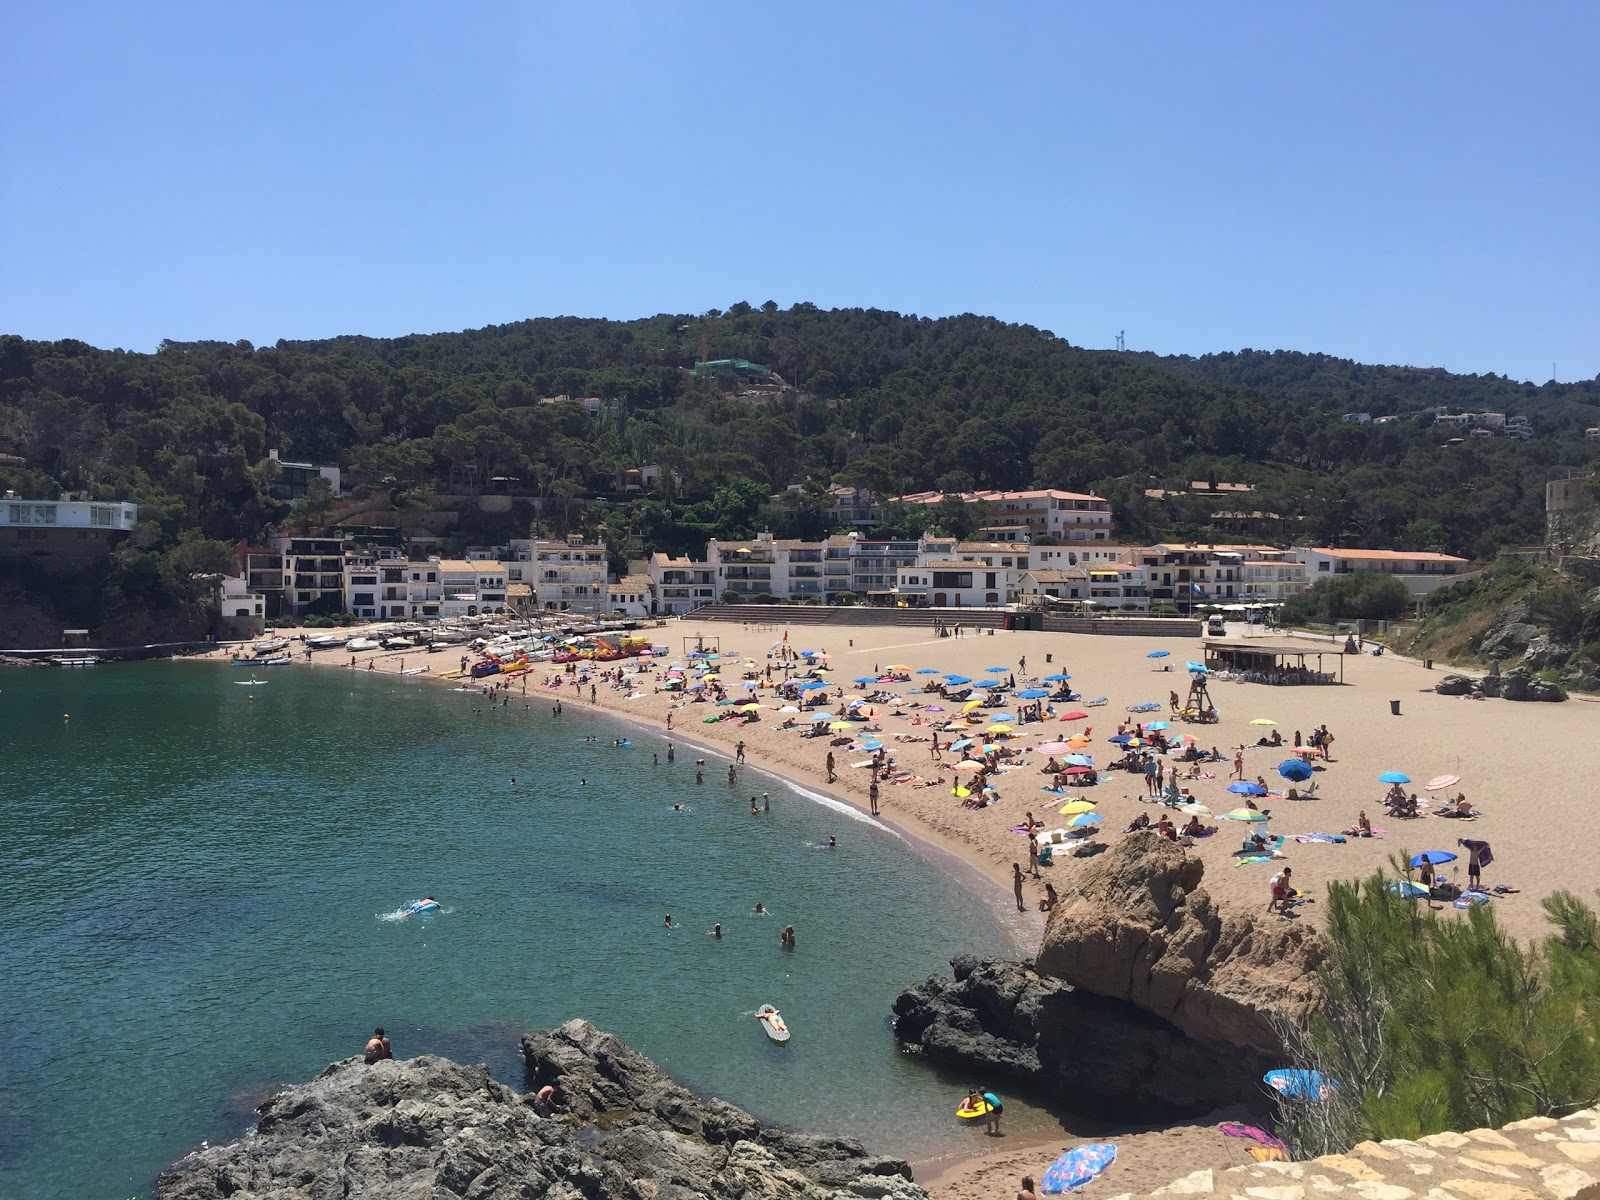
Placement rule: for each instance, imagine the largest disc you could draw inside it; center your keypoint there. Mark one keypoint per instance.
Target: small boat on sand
(270, 646)
(773, 1023)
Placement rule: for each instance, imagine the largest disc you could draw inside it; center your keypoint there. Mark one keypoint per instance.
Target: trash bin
(1428, 663)
(1394, 707)
(1049, 658)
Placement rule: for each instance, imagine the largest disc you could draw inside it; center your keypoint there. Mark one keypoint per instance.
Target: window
(1322, 566)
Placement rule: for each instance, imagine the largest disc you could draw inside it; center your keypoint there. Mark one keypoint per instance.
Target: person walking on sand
(1172, 699)
(738, 752)
(1238, 764)
(872, 796)
(1016, 885)
(830, 766)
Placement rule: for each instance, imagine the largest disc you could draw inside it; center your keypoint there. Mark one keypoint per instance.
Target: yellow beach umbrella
(1002, 728)
(838, 726)
(1073, 807)
(1262, 721)
(970, 705)
(897, 667)
(751, 707)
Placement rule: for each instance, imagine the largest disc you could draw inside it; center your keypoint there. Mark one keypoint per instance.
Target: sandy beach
(1520, 764)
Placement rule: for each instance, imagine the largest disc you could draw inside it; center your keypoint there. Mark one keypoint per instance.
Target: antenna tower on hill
(1121, 344)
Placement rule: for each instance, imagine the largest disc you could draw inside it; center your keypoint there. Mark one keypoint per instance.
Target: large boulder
(1454, 685)
(1138, 927)
(432, 1129)
(1003, 1023)
(1511, 632)
(1546, 652)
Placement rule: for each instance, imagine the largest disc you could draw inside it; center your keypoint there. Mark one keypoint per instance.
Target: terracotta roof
(460, 566)
(1068, 575)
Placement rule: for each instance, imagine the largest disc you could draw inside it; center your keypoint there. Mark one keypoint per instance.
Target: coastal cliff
(1138, 926)
(431, 1127)
(1005, 1023)
(1145, 995)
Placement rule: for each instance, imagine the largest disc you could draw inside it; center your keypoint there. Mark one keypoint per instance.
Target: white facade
(629, 596)
(469, 589)
(680, 585)
(1420, 571)
(566, 576)
(1066, 516)
(236, 600)
(109, 515)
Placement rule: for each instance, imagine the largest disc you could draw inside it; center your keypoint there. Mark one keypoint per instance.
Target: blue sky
(1412, 183)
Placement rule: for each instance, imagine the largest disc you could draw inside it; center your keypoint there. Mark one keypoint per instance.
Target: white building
(1066, 516)
(295, 478)
(629, 596)
(470, 589)
(565, 575)
(680, 585)
(117, 516)
(1422, 572)
(243, 612)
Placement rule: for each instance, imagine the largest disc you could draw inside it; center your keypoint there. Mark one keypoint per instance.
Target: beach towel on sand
(1250, 860)
(1318, 837)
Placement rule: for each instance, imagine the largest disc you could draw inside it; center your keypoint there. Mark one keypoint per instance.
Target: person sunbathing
(1165, 828)
(1142, 821)
(1193, 829)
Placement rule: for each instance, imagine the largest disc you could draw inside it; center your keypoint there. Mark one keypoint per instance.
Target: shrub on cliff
(1433, 1024)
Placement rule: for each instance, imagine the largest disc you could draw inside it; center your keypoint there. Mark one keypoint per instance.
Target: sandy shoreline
(1519, 763)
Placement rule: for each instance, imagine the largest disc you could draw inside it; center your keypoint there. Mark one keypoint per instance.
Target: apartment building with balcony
(566, 575)
(471, 588)
(1065, 516)
(1422, 572)
(1188, 575)
(629, 596)
(313, 573)
(679, 584)
(746, 568)
(875, 566)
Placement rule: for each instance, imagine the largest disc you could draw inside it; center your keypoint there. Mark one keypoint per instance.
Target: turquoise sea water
(203, 879)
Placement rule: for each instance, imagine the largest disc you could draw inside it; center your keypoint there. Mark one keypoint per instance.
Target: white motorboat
(361, 643)
(270, 646)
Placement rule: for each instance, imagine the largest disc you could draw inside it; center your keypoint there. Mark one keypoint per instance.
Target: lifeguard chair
(1198, 706)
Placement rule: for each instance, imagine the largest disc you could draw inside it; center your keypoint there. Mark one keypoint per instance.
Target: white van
(1215, 627)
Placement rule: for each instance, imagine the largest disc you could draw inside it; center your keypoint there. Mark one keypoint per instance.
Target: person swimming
(667, 924)
(760, 911)
(832, 841)
(677, 808)
(715, 931)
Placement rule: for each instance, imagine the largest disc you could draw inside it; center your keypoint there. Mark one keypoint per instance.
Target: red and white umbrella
(1439, 782)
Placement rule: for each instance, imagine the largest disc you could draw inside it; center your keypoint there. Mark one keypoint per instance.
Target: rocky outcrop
(1511, 632)
(1519, 683)
(1004, 1023)
(1138, 927)
(433, 1129)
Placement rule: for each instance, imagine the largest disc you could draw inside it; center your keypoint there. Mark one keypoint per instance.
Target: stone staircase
(1538, 1159)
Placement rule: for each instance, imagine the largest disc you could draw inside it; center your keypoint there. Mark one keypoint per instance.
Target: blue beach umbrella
(1158, 654)
(1001, 670)
(1294, 770)
(1199, 668)
(1061, 677)
(1084, 820)
(1157, 725)
(1121, 739)
(962, 744)
(818, 718)
(1033, 693)
(866, 679)
(1078, 1166)
(1394, 777)
(1432, 856)
(1299, 1084)
(1408, 889)
(1079, 760)
(990, 683)
(956, 680)
(927, 671)
(995, 718)
(872, 744)
(808, 654)
(812, 685)
(1245, 788)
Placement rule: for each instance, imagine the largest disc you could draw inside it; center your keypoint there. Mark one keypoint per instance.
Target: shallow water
(204, 872)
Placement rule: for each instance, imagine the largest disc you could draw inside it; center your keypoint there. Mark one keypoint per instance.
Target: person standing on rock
(1016, 885)
(378, 1047)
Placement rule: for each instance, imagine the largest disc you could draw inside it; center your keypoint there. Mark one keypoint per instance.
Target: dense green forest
(877, 399)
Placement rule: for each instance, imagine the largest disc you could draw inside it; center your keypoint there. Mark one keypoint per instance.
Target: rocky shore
(1145, 1002)
(429, 1127)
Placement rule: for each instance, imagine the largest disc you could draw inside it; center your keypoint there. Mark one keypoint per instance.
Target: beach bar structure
(1260, 662)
